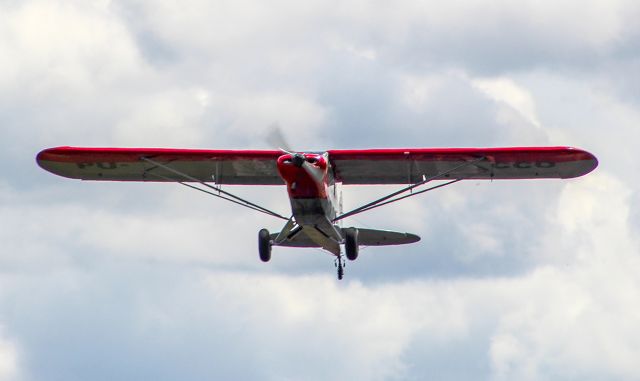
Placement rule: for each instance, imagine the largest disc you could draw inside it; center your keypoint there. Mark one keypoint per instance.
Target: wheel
(351, 243)
(264, 245)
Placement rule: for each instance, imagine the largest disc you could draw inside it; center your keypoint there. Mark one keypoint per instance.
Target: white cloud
(576, 314)
(63, 46)
(9, 358)
(508, 92)
(171, 118)
(561, 326)
(419, 92)
(298, 117)
(532, 280)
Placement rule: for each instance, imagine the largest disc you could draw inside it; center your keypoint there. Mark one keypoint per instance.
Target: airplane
(311, 180)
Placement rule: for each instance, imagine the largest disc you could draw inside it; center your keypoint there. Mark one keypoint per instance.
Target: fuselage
(313, 195)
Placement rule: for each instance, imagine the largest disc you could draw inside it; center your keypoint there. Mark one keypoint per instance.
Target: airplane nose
(298, 160)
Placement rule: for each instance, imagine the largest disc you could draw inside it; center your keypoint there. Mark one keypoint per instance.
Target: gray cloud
(527, 280)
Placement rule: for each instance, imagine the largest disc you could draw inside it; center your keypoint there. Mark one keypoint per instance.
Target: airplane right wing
(412, 165)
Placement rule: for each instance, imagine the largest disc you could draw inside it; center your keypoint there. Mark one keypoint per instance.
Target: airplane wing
(247, 167)
(412, 165)
(369, 166)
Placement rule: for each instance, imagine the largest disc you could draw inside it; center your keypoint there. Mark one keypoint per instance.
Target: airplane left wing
(244, 167)
(412, 165)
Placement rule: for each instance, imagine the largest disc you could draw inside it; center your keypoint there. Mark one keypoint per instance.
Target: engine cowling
(305, 174)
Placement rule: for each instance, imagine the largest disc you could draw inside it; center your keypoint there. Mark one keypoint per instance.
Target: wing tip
(50, 160)
(413, 237)
(589, 160)
(42, 157)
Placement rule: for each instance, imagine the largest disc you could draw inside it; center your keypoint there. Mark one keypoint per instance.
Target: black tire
(264, 245)
(351, 244)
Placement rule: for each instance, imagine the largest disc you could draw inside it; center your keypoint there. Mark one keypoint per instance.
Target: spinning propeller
(276, 138)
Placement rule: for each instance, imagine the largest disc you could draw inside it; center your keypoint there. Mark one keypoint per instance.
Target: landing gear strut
(339, 263)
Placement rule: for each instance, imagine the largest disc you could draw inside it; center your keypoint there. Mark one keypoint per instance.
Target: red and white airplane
(311, 178)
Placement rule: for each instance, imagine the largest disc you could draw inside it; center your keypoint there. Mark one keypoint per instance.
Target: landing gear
(351, 243)
(340, 266)
(264, 245)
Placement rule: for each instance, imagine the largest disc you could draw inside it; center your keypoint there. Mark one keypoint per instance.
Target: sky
(512, 280)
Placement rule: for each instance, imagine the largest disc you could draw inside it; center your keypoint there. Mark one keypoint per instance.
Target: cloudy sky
(531, 280)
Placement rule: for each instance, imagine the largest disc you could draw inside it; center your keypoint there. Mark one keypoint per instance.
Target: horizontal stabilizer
(366, 237)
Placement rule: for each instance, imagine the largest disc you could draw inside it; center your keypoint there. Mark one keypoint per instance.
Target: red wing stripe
(81, 154)
(557, 154)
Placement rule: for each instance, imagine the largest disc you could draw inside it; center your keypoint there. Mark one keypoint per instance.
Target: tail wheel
(264, 245)
(351, 244)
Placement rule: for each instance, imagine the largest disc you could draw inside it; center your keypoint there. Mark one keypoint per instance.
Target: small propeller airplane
(311, 178)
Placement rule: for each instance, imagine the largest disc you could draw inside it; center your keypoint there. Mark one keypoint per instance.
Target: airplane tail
(366, 237)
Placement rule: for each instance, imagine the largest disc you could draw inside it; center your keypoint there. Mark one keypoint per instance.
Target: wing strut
(388, 199)
(229, 196)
